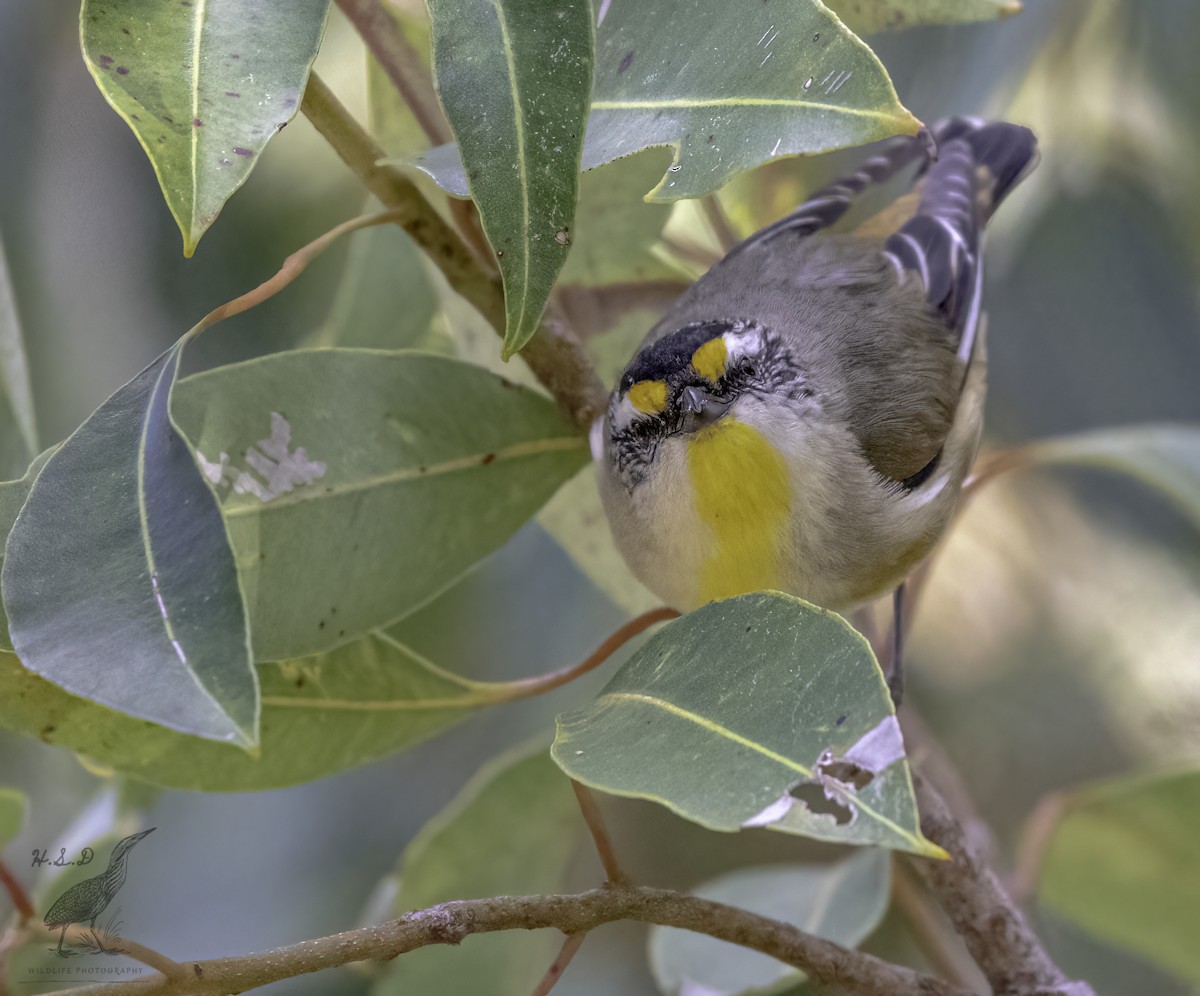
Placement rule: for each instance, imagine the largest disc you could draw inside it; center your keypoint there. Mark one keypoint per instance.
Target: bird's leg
(895, 678)
(61, 934)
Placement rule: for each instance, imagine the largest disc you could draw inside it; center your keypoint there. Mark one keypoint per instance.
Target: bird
(803, 417)
(86, 900)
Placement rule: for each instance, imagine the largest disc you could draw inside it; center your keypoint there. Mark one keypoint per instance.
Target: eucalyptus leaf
(13, 809)
(1165, 457)
(385, 299)
(358, 484)
(203, 85)
(18, 424)
(843, 902)
(868, 16)
(514, 79)
(749, 713)
(320, 714)
(118, 577)
(1124, 863)
(729, 87)
(512, 830)
(12, 497)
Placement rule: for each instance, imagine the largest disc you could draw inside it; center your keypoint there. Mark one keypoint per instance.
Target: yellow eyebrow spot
(710, 359)
(649, 396)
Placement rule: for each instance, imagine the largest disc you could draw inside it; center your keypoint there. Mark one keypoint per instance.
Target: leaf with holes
(515, 79)
(358, 483)
(868, 16)
(204, 84)
(772, 81)
(782, 714)
(842, 902)
(119, 580)
(514, 829)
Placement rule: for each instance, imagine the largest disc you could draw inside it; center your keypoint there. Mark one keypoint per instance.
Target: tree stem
(837, 969)
(556, 357)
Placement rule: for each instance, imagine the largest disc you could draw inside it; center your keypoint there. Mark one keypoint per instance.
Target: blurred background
(1058, 642)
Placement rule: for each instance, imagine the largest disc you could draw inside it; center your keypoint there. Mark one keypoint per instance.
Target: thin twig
(595, 824)
(1031, 853)
(292, 267)
(726, 236)
(556, 357)
(931, 931)
(570, 946)
(18, 894)
(526, 687)
(396, 57)
(995, 931)
(838, 969)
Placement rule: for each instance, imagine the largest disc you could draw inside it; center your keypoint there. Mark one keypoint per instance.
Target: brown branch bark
(839, 970)
(995, 931)
(556, 357)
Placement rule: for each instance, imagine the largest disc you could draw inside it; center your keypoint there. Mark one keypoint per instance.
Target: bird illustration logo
(86, 900)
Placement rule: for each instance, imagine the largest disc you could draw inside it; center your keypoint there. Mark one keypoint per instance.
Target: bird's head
(686, 382)
(125, 843)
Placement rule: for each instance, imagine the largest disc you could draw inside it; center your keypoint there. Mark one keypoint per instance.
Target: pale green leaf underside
(1165, 457)
(1124, 863)
(867, 16)
(842, 902)
(514, 829)
(772, 82)
(515, 83)
(320, 714)
(358, 483)
(204, 85)
(753, 691)
(13, 806)
(18, 425)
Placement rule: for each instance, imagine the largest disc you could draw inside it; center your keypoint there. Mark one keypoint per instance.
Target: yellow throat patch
(743, 495)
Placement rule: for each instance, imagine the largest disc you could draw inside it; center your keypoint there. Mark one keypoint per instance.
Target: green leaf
(1165, 457)
(204, 85)
(385, 299)
(320, 714)
(360, 507)
(514, 79)
(843, 902)
(614, 229)
(12, 497)
(868, 16)
(18, 426)
(13, 809)
(512, 830)
(1124, 863)
(771, 82)
(119, 580)
(775, 706)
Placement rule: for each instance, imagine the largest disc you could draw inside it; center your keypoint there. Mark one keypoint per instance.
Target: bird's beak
(700, 408)
(139, 836)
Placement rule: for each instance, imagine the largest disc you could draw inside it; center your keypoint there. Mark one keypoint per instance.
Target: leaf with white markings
(841, 902)
(359, 483)
(772, 82)
(204, 85)
(119, 580)
(783, 714)
(515, 79)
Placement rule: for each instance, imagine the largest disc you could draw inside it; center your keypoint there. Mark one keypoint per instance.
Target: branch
(18, 894)
(556, 357)
(996, 932)
(838, 969)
